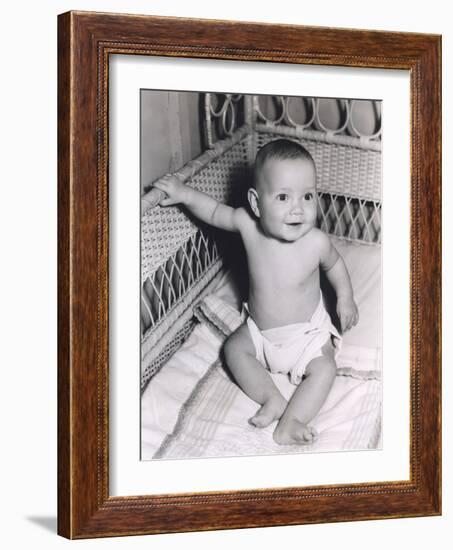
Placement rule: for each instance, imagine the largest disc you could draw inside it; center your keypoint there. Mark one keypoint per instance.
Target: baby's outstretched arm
(333, 265)
(202, 206)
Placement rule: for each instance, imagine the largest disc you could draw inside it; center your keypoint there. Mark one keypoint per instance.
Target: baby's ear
(252, 197)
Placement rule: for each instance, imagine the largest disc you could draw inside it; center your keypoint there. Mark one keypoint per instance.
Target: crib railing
(179, 255)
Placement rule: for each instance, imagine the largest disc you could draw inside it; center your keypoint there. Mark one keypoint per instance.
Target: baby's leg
(307, 400)
(253, 378)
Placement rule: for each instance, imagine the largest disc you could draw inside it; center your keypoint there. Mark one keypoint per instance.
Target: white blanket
(213, 421)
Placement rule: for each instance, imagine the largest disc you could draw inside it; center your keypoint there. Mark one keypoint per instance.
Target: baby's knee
(229, 347)
(323, 366)
(235, 346)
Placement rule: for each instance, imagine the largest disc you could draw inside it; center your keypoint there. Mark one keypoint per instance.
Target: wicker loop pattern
(280, 118)
(364, 138)
(226, 115)
(289, 119)
(332, 131)
(347, 127)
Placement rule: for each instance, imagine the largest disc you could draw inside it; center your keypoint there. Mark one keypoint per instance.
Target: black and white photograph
(261, 290)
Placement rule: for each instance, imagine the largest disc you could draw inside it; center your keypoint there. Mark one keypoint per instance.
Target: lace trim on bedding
(179, 425)
(359, 374)
(207, 317)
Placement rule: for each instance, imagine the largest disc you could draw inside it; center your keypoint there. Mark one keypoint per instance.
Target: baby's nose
(296, 207)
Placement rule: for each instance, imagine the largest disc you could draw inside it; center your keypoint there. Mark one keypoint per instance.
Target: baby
(286, 327)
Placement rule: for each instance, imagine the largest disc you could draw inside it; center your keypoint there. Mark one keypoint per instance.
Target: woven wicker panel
(341, 169)
(350, 218)
(166, 353)
(177, 277)
(164, 230)
(161, 335)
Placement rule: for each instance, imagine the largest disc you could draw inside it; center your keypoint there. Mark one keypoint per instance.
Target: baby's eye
(308, 196)
(282, 197)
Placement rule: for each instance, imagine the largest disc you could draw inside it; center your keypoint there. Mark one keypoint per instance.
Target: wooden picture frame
(85, 41)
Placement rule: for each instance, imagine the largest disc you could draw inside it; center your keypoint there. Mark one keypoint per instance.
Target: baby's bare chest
(282, 264)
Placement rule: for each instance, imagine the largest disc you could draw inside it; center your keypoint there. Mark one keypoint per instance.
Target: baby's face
(287, 202)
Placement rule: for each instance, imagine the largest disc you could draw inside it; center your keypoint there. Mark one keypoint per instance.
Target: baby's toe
(260, 420)
(309, 434)
(255, 421)
(313, 432)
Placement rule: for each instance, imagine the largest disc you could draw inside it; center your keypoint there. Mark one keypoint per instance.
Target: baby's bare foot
(270, 411)
(293, 432)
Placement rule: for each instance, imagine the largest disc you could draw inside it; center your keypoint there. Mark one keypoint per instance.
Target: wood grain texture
(85, 42)
(64, 374)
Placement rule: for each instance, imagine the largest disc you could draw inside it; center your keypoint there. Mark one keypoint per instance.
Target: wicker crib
(180, 258)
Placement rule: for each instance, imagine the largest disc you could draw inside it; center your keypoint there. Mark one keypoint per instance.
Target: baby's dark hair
(279, 149)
